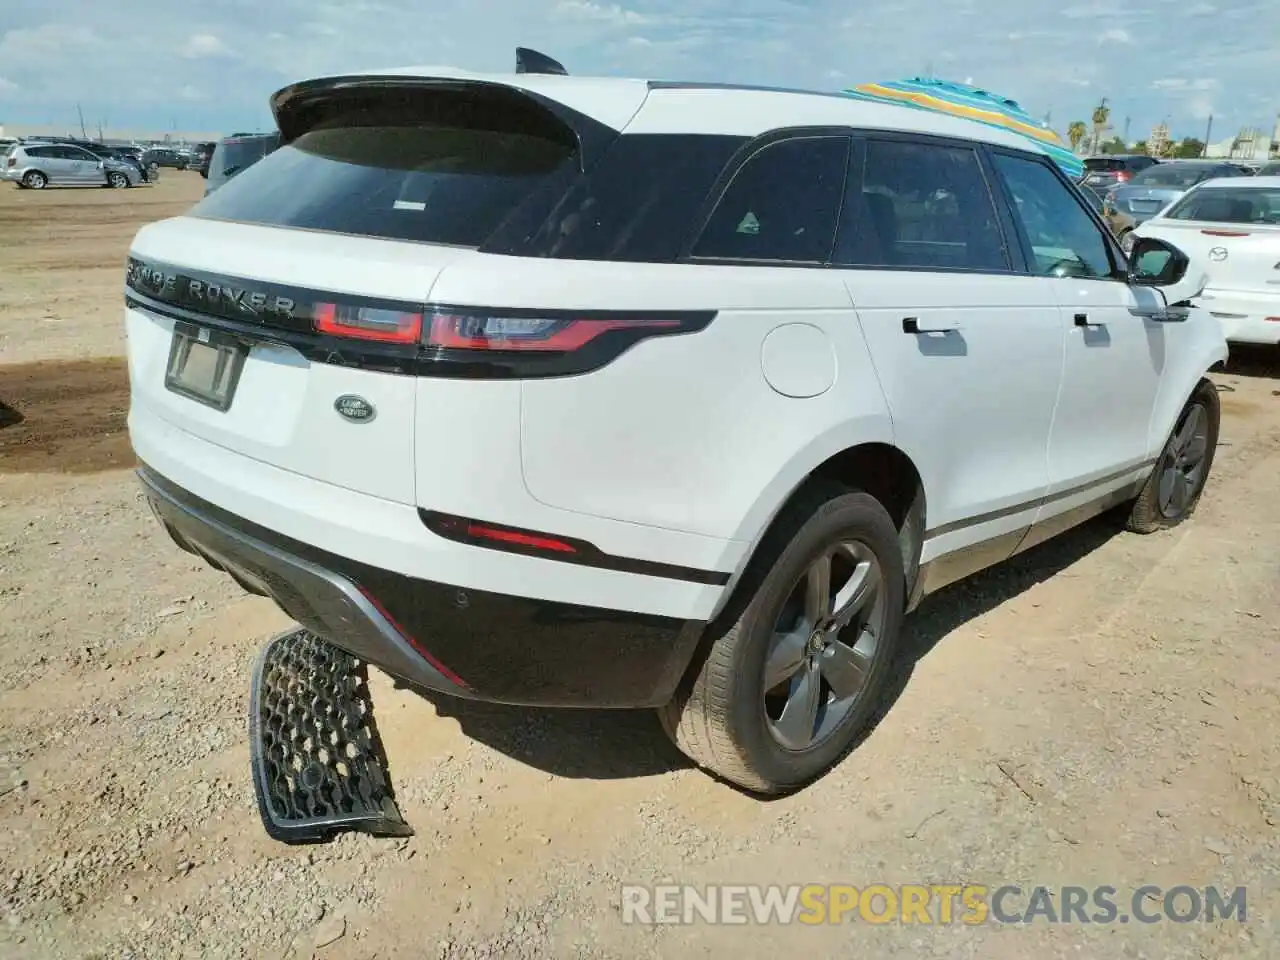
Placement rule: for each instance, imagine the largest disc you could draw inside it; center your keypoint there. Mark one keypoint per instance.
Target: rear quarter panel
(684, 432)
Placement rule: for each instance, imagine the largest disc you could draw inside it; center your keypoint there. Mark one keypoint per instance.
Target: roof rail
(531, 61)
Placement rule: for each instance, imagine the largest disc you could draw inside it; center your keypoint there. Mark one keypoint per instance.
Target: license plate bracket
(205, 365)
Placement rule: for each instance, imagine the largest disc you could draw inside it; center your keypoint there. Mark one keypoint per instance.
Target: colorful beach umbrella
(973, 103)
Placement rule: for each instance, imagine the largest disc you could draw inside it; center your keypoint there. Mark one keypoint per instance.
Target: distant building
(1249, 144)
(1158, 144)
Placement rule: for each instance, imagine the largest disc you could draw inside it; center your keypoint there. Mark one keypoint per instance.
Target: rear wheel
(35, 180)
(1173, 490)
(789, 683)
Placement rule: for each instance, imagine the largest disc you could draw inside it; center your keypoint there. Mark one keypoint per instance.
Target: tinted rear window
(434, 167)
(1178, 175)
(1103, 164)
(1229, 205)
(637, 204)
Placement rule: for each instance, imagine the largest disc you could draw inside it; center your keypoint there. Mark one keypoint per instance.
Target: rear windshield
(439, 168)
(1229, 205)
(1103, 164)
(1175, 175)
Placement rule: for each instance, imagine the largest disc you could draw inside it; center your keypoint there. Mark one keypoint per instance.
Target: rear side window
(922, 205)
(636, 204)
(1229, 205)
(782, 205)
(426, 166)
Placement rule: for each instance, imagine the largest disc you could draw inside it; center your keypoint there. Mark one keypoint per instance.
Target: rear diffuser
(319, 768)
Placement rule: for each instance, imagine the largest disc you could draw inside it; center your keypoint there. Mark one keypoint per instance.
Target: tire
(1155, 509)
(35, 180)
(117, 180)
(721, 718)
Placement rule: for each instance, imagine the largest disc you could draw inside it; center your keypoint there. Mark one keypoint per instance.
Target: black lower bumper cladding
(318, 764)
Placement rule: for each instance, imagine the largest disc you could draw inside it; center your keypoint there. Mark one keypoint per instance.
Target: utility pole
(1126, 133)
(83, 132)
(1208, 132)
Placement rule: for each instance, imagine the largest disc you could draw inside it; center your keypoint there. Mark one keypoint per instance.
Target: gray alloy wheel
(823, 645)
(794, 668)
(1177, 481)
(35, 180)
(1183, 465)
(117, 180)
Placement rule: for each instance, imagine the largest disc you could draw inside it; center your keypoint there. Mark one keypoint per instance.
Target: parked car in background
(1156, 187)
(102, 151)
(200, 157)
(1121, 224)
(1270, 169)
(166, 157)
(1231, 231)
(235, 153)
(1103, 173)
(39, 165)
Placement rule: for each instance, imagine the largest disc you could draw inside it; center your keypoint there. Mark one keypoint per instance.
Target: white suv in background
(600, 392)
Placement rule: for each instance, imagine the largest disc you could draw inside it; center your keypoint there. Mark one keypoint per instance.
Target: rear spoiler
(292, 105)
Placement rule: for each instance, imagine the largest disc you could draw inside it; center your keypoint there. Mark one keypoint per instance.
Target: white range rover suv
(569, 391)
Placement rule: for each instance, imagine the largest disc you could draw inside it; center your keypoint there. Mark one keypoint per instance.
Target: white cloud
(1115, 35)
(8, 86)
(612, 13)
(204, 45)
(235, 53)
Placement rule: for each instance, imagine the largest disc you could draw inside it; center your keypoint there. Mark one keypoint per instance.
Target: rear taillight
(471, 332)
(1123, 177)
(367, 323)
(497, 343)
(13, 162)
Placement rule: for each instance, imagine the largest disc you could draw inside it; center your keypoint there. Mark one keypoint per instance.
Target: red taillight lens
(475, 332)
(1122, 176)
(512, 539)
(480, 531)
(367, 323)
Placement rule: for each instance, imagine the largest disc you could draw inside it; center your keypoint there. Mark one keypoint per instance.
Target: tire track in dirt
(64, 416)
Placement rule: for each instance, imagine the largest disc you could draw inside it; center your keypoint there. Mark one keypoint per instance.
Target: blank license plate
(204, 365)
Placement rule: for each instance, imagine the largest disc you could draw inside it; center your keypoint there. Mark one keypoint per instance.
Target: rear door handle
(913, 325)
(1082, 320)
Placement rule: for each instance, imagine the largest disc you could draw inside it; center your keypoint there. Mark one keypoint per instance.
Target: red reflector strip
(367, 323)
(462, 332)
(516, 537)
(1224, 233)
(1273, 320)
(422, 651)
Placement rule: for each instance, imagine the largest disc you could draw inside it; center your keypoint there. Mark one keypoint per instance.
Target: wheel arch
(871, 462)
(1179, 383)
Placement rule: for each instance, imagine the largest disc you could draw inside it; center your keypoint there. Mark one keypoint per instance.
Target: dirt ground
(1101, 711)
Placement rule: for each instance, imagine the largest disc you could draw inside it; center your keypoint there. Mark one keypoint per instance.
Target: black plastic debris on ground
(319, 767)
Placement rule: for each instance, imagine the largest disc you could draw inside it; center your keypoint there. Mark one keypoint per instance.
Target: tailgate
(277, 397)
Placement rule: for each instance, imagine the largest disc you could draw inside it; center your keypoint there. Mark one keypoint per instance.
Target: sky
(211, 65)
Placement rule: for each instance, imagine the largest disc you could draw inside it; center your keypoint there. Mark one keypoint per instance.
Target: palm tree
(1101, 114)
(1076, 133)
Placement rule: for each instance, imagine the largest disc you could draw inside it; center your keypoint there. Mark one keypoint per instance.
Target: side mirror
(1154, 263)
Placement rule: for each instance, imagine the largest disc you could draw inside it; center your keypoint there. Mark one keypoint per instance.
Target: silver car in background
(39, 165)
(1156, 187)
